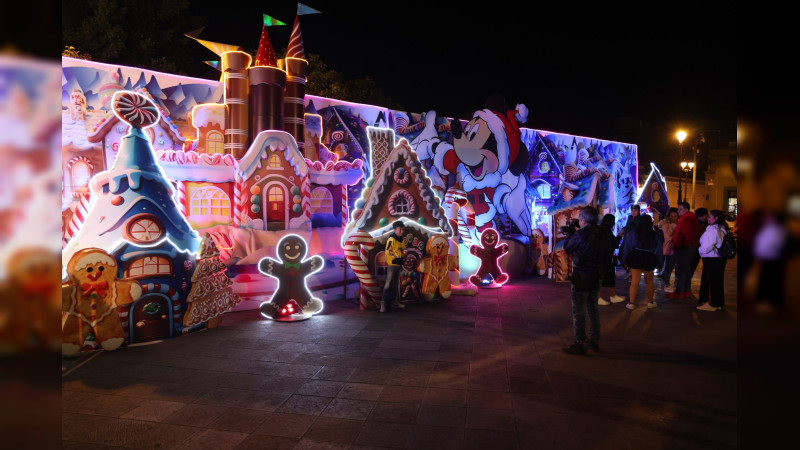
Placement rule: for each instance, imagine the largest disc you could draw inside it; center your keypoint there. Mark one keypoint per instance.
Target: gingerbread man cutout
(292, 295)
(436, 267)
(489, 253)
(91, 297)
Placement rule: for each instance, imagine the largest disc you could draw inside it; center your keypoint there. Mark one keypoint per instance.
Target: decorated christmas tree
(212, 291)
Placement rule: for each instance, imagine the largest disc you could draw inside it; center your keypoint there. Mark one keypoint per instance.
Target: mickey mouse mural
(291, 301)
(489, 160)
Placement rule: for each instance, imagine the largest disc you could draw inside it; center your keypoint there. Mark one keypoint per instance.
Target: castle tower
(296, 73)
(234, 70)
(267, 83)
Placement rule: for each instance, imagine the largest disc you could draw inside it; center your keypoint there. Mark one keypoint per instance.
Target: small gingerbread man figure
(291, 272)
(489, 253)
(436, 267)
(91, 297)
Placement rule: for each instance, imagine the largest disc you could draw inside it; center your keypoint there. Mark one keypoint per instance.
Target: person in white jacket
(712, 282)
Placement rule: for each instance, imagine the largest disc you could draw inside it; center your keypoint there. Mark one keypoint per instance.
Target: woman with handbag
(712, 280)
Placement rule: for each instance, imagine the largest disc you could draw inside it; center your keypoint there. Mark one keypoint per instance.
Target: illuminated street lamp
(685, 167)
(681, 135)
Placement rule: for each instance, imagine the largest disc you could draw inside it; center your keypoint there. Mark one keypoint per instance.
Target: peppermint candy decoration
(135, 109)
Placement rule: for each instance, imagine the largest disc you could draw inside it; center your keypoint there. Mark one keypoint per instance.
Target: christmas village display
(261, 170)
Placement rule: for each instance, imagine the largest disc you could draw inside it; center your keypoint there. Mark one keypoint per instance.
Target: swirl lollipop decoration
(135, 109)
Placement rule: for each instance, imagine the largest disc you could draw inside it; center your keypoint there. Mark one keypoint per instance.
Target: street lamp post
(681, 135)
(685, 167)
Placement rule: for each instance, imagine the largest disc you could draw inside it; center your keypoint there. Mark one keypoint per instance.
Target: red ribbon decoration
(100, 288)
(439, 259)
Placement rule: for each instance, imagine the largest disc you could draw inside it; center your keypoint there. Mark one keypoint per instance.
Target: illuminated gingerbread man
(91, 297)
(436, 267)
(291, 272)
(489, 253)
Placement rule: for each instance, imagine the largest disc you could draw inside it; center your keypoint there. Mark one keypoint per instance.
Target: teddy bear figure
(489, 252)
(91, 297)
(435, 268)
(292, 295)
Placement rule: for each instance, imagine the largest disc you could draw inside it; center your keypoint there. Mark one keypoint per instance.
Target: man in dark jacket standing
(587, 246)
(686, 241)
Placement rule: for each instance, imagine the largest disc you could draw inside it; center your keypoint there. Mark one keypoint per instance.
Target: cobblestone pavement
(471, 372)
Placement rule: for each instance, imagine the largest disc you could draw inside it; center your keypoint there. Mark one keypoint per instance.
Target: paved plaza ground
(483, 372)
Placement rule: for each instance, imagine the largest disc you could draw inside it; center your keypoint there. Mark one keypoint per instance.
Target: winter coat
(710, 241)
(687, 234)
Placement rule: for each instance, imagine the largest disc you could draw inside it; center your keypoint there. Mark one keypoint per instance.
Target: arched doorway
(275, 205)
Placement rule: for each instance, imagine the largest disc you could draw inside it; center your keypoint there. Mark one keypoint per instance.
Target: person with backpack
(712, 281)
(642, 261)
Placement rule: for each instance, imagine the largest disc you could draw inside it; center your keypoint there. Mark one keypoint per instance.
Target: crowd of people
(649, 247)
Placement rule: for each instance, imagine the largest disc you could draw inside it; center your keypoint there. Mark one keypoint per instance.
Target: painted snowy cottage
(272, 185)
(134, 218)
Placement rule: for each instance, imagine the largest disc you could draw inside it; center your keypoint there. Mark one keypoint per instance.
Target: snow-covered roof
(74, 132)
(401, 155)
(208, 113)
(271, 140)
(587, 190)
(193, 166)
(335, 173)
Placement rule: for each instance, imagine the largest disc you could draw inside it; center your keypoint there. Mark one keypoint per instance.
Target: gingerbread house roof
(586, 193)
(367, 217)
(271, 140)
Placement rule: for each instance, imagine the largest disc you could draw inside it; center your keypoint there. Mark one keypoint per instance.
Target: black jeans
(713, 281)
(683, 268)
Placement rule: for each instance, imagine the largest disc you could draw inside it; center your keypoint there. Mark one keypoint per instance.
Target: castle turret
(234, 69)
(296, 73)
(267, 83)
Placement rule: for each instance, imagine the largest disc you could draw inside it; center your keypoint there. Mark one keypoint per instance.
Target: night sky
(576, 67)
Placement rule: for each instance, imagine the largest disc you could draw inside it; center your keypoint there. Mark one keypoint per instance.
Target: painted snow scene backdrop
(250, 158)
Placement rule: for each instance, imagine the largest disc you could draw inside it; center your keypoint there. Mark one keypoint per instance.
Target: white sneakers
(707, 307)
(650, 305)
(613, 299)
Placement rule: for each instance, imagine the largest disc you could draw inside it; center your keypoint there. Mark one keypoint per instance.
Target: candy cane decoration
(182, 197)
(345, 212)
(238, 200)
(370, 292)
(223, 243)
(81, 211)
(305, 200)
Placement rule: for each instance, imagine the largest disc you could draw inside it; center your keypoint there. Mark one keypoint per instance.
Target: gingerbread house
(133, 217)
(272, 187)
(208, 120)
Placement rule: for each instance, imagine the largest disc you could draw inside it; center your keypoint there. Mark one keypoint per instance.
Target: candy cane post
(370, 292)
(305, 201)
(345, 212)
(238, 200)
(181, 197)
(223, 243)
(81, 211)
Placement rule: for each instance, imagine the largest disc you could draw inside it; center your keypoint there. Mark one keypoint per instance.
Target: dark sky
(576, 67)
